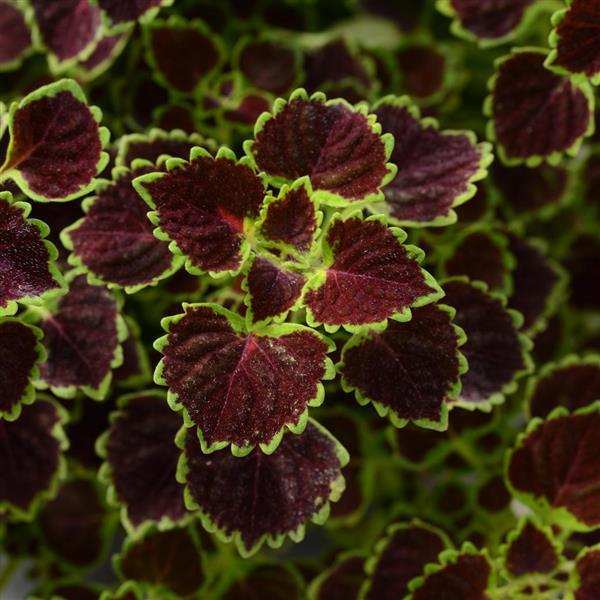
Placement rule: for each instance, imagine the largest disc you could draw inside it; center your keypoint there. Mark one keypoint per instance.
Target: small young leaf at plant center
(537, 115)
(494, 349)
(82, 335)
(276, 494)
(115, 240)
(141, 459)
(163, 559)
(400, 557)
(20, 355)
(436, 169)
(27, 272)
(339, 148)
(418, 366)
(369, 276)
(239, 387)
(56, 144)
(201, 207)
(15, 37)
(33, 458)
(575, 39)
(554, 467)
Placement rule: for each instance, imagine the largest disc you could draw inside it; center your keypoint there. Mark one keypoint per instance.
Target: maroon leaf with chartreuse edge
(340, 148)
(276, 493)
(202, 207)
(239, 387)
(587, 568)
(15, 38)
(120, 13)
(55, 148)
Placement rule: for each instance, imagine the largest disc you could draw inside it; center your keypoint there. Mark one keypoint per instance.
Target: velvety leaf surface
(241, 388)
(183, 54)
(25, 266)
(119, 11)
(577, 36)
(30, 456)
(372, 276)
(19, 355)
(334, 145)
(72, 523)
(536, 113)
(80, 337)
(466, 578)
(168, 558)
(271, 581)
(115, 240)
(291, 220)
(273, 290)
(535, 281)
(343, 580)
(409, 368)
(269, 65)
(435, 169)
(142, 457)
(573, 386)
(67, 27)
(56, 145)
(490, 19)
(15, 38)
(202, 208)
(557, 463)
(262, 495)
(588, 571)
(406, 551)
(493, 348)
(530, 552)
(481, 257)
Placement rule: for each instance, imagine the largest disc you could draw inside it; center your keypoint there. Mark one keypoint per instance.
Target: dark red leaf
(291, 219)
(276, 494)
(15, 39)
(422, 70)
(537, 114)
(269, 65)
(489, 20)
(176, 116)
(272, 290)
(338, 147)
(575, 37)
(105, 53)
(371, 276)
(123, 11)
(202, 205)
(82, 338)
(20, 353)
(240, 388)
(530, 551)
(408, 369)
(493, 349)
(31, 456)
(183, 52)
(465, 576)
(342, 581)
(26, 270)
(247, 111)
(162, 559)
(588, 572)
(115, 240)
(406, 551)
(56, 145)
(135, 370)
(573, 383)
(556, 465)
(436, 169)
(142, 459)
(68, 27)
(266, 581)
(73, 523)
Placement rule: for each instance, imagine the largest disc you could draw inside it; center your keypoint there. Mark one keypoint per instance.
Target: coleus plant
(302, 209)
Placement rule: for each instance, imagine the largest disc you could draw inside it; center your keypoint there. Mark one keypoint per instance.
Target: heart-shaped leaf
(368, 276)
(210, 365)
(276, 493)
(436, 169)
(55, 148)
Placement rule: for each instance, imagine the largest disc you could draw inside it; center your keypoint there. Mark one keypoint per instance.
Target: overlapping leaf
(15, 36)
